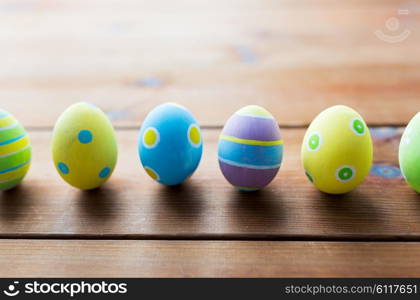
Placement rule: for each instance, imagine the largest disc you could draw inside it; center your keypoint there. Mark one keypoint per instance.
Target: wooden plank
(293, 57)
(131, 205)
(73, 258)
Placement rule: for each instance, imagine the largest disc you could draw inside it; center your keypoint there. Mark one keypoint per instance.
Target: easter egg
(337, 150)
(15, 151)
(84, 146)
(170, 144)
(250, 149)
(409, 153)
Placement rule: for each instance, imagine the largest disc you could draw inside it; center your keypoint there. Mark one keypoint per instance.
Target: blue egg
(170, 144)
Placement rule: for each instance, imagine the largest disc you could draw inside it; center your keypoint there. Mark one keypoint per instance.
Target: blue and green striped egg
(15, 151)
(250, 148)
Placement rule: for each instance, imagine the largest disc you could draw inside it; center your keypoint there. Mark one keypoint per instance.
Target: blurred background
(295, 57)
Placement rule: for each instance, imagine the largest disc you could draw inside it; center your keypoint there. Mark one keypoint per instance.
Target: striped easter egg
(15, 151)
(250, 148)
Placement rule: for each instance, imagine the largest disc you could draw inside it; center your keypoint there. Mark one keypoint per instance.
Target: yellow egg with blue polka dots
(15, 151)
(337, 150)
(84, 146)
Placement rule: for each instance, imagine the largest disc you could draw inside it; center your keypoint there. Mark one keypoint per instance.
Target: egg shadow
(416, 199)
(184, 201)
(99, 205)
(353, 211)
(13, 203)
(257, 211)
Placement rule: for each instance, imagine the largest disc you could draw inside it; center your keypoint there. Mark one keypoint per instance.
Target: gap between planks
(211, 237)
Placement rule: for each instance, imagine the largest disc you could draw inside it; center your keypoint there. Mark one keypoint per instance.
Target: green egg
(15, 151)
(410, 153)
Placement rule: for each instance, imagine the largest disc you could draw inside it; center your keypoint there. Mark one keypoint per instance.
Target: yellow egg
(84, 146)
(337, 150)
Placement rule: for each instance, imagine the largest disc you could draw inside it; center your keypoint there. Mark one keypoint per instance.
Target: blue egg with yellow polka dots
(170, 144)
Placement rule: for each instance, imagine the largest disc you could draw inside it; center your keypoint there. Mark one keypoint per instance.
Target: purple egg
(250, 148)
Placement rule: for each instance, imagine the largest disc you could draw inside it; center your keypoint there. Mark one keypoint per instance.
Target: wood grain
(58, 258)
(293, 57)
(133, 206)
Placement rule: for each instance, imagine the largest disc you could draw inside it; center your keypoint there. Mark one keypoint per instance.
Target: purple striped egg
(250, 148)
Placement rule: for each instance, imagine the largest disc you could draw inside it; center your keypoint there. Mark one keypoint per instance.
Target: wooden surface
(127, 56)
(207, 258)
(132, 205)
(293, 57)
